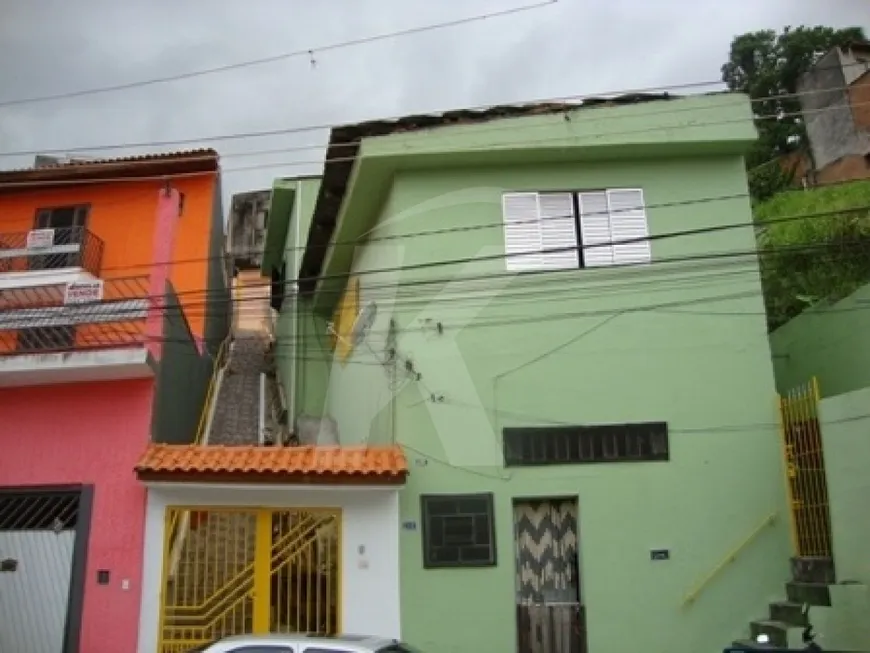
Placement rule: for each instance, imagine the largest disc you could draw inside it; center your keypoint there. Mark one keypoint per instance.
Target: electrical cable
(548, 277)
(500, 224)
(577, 98)
(349, 159)
(597, 274)
(504, 320)
(306, 52)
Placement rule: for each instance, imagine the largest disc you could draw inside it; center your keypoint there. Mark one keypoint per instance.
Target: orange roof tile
(323, 464)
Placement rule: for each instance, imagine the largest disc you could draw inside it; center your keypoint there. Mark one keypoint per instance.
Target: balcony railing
(50, 249)
(84, 316)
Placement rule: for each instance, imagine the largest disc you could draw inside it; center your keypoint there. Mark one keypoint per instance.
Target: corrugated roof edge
(344, 143)
(147, 165)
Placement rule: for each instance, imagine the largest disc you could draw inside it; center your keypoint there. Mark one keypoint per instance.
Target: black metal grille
(38, 511)
(573, 445)
(85, 250)
(458, 530)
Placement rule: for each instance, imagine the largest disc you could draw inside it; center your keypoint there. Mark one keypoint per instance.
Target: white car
(302, 643)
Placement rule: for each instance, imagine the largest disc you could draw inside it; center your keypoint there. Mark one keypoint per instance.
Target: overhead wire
(480, 323)
(304, 52)
(576, 98)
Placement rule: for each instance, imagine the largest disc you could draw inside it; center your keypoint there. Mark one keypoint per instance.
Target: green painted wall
(302, 360)
(828, 342)
(845, 423)
(578, 347)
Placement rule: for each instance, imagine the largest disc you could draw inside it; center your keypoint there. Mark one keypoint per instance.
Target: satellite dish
(363, 323)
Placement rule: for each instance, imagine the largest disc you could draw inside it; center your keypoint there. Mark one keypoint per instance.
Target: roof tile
(290, 462)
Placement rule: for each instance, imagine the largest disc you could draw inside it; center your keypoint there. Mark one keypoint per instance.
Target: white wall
(370, 523)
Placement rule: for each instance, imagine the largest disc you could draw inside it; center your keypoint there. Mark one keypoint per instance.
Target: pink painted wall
(89, 433)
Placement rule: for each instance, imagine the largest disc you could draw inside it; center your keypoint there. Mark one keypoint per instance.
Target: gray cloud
(570, 48)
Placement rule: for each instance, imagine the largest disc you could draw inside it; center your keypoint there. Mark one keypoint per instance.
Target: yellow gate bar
(262, 572)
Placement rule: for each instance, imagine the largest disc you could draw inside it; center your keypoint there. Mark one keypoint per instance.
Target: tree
(766, 66)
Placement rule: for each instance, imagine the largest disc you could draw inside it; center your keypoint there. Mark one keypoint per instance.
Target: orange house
(113, 305)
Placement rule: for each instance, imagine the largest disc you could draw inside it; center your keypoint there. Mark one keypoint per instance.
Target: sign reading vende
(83, 292)
(40, 238)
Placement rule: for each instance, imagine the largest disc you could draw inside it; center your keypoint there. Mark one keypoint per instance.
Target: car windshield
(399, 648)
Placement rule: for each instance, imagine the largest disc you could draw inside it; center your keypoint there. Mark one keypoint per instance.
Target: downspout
(295, 339)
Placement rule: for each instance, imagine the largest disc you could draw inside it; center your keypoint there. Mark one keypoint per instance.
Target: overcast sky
(569, 48)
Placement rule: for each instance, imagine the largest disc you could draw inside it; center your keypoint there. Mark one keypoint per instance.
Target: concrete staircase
(237, 409)
(811, 579)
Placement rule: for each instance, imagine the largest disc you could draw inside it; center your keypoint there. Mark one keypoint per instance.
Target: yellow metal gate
(806, 480)
(232, 571)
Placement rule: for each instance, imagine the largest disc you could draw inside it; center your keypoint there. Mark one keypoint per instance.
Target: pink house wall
(89, 433)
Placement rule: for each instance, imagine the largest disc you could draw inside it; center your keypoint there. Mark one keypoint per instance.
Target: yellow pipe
(731, 557)
(787, 463)
(262, 573)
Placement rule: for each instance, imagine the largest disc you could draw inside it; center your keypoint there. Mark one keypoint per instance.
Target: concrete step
(750, 645)
(812, 593)
(809, 569)
(777, 631)
(788, 612)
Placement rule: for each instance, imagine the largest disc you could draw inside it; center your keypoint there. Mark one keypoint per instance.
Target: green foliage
(768, 179)
(813, 259)
(765, 64)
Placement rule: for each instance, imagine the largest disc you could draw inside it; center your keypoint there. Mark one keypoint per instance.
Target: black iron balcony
(50, 249)
(35, 321)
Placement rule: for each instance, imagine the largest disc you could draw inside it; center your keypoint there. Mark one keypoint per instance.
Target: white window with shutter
(628, 223)
(541, 229)
(608, 218)
(595, 229)
(522, 232)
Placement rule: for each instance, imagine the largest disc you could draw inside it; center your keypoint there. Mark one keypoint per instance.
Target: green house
(583, 390)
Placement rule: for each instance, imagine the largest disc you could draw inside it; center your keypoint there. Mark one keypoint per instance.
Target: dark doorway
(550, 614)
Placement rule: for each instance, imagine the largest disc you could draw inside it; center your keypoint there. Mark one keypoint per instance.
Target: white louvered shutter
(558, 231)
(595, 229)
(522, 231)
(628, 222)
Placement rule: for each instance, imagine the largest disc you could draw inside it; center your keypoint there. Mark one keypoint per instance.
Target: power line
(350, 159)
(732, 256)
(595, 275)
(306, 52)
(578, 99)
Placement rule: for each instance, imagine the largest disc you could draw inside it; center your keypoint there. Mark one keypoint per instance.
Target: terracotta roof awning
(324, 465)
(192, 162)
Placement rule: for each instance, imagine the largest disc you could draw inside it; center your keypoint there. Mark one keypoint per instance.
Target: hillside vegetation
(822, 257)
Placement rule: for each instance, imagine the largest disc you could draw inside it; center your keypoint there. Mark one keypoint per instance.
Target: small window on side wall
(458, 530)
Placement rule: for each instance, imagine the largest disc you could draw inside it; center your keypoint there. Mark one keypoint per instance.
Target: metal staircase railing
(178, 529)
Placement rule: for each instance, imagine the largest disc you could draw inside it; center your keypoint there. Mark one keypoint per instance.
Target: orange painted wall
(122, 214)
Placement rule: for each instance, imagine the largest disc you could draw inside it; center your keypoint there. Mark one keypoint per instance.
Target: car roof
(346, 641)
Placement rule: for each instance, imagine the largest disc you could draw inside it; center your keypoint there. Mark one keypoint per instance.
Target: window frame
(428, 563)
(582, 263)
(588, 437)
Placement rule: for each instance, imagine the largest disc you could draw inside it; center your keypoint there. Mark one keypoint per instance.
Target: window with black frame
(458, 530)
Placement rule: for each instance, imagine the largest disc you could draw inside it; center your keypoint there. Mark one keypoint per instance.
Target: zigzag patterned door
(549, 608)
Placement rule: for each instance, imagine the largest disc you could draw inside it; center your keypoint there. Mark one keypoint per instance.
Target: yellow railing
(253, 570)
(284, 547)
(693, 595)
(219, 362)
(177, 528)
(806, 480)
